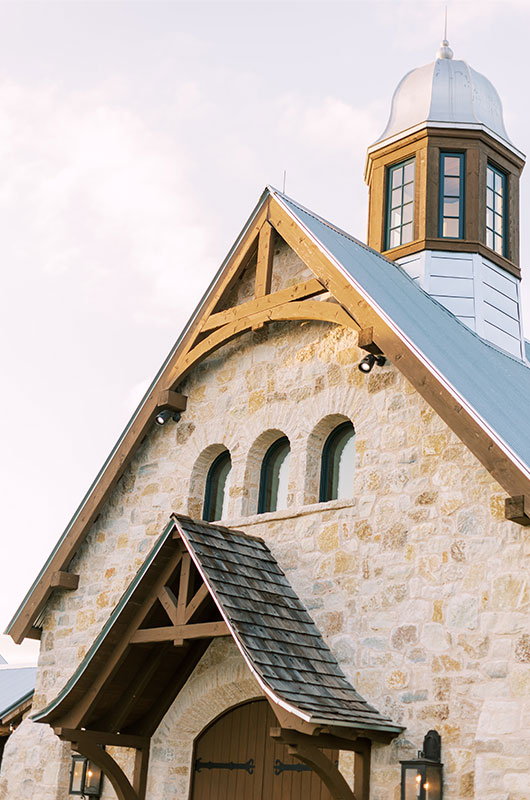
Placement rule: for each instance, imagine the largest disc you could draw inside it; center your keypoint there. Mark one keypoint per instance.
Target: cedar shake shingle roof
(275, 633)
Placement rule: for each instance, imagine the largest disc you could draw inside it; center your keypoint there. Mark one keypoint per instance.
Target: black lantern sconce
(86, 777)
(422, 777)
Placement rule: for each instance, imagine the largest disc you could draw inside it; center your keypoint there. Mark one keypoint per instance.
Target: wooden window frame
(461, 196)
(388, 201)
(504, 178)
(209, 500)
(327, 454)
(265, 474)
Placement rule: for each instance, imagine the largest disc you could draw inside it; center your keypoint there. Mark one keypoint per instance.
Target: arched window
(217, 486)
(274, 478)
(338, 461)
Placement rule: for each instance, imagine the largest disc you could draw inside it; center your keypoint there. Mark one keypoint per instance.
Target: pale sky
(135, 139)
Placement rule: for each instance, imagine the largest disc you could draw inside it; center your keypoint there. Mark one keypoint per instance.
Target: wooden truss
(210, 330)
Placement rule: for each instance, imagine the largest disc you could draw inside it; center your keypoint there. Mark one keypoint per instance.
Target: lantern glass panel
(92, 779)
(433, 783)
(413, 783)
(78, 769)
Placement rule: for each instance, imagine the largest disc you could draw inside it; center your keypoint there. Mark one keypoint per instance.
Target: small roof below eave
(16, 685)
(495, 385)
(274, 632)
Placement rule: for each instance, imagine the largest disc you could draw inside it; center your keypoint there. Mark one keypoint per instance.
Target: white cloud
(98, 195)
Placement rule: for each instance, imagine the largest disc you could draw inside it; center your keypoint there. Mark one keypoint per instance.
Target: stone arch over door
(220, 681)
(236, 759)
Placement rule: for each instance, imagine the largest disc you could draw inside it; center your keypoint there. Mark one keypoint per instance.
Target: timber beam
(366, 342)
(179, 633)
(517, 509)
(64, 580)
(174, 401)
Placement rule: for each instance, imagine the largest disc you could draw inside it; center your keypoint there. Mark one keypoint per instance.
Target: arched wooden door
(236, 759)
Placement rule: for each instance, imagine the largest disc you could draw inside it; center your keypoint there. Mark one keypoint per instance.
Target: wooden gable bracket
(517, 509)
(180, 609)
(90, 744)
(308, 750)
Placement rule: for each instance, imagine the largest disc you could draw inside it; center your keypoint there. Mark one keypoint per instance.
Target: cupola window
(495, 210)
(274, 478)
(217, 488)
(338, 461)
(400, 204)
(451, 196)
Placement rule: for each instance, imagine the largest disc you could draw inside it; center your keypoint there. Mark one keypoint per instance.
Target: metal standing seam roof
(494, 384)
(274, 632)
(16, 685)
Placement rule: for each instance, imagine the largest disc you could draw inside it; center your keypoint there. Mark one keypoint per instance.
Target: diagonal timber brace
(90, 744)
(308, 750)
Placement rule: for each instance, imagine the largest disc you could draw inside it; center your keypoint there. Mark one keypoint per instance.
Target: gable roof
(275, 634)
(478, 390)
(16, 685)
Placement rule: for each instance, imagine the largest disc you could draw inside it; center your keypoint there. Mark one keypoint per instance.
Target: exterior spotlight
(163, 416)
(422, 777)
(367, 364)
(85, 777)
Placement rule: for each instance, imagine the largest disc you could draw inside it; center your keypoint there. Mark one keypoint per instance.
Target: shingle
(273, 627)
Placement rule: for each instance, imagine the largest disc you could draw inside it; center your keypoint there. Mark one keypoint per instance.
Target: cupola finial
(444, 51)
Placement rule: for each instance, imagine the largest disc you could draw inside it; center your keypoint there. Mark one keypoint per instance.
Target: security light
(163, 416)
(366, 365)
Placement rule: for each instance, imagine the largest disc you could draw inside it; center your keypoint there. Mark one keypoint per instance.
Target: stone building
(309, 547)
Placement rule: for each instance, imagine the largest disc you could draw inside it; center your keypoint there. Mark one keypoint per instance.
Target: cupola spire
(444, 51)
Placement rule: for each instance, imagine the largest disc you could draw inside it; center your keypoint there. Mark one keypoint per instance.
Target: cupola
(444, 196)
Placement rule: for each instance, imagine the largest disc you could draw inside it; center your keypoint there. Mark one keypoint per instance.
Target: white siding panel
(503, 340)
(502, 321)
(500, 301)
(451, 287)
(452, 267)
(500, 282)
(459, 306)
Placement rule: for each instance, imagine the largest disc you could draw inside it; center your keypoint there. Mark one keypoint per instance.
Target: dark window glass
(451, 196)
(495, 216)
(338, 462)
(400, 204)
(217, 486)
(274, 479)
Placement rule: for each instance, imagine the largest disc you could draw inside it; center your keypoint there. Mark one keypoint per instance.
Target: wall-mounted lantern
(85, 777)
(422, 777)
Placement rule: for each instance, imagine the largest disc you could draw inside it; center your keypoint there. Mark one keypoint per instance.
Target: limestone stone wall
(418, 584)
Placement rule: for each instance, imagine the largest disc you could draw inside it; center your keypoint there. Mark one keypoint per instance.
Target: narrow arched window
(274, 479)
(217, 486)
(338, 461)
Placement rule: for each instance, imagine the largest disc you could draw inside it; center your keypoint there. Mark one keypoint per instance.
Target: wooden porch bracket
(90, 744)
(308, 749)
(517, 509)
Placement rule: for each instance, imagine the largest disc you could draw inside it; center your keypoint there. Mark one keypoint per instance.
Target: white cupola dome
(447, 93)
